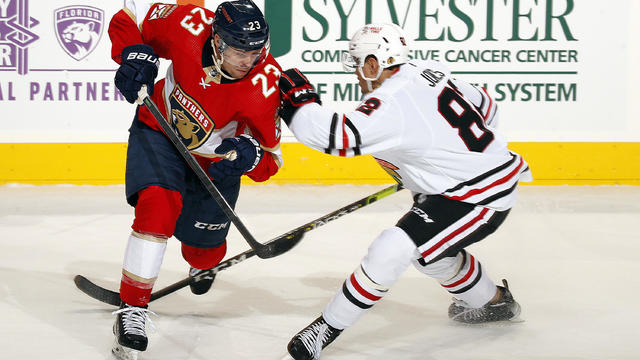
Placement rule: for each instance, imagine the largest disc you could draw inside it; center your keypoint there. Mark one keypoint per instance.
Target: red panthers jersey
(202, 107)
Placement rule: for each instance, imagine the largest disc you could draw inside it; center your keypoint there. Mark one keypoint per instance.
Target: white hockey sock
(462, 276)
(143, 257)
(388, 257)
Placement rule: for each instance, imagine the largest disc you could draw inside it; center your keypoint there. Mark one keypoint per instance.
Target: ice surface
(570, 255)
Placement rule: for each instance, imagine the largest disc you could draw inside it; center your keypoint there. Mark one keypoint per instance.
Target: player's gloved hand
(139, 67)
(248, 155)
(295, 91)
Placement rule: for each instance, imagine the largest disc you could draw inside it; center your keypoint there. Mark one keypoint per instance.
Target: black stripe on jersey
(494, 114)
(352, 299)
(455, 88)
(492, 104)
(479, 178)
(498, 195)
(332, 134)
(464, 258)
(472, 284)
(482, 100)
(356, 134)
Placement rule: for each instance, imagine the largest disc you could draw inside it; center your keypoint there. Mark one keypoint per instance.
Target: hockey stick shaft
(111, 297)
(263, 251)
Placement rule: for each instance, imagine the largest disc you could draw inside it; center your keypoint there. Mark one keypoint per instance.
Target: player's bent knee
(157, 211)
(204, 258)
(442, 269)
(389, 256)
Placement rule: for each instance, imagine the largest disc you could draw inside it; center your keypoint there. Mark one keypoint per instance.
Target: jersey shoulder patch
(161, 11)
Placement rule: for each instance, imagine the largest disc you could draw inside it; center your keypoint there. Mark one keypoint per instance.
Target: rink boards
(104, 163)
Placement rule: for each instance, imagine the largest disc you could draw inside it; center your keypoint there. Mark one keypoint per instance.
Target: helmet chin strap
(369, 86)
(218, 63)
(370, 80)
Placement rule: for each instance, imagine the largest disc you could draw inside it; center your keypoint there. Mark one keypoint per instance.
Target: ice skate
(506, 308)
(202, 280)
(130, 331)
(308, 343)
(123, 353)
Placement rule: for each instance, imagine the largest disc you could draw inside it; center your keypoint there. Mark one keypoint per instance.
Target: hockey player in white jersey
(437, 136)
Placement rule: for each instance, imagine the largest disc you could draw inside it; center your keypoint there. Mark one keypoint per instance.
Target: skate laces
(474, 313)
(314, 336)
(134, 319)
(468, 312)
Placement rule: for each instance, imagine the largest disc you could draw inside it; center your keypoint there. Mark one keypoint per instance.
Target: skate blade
(123, 353)
(287, 357)
(502, 323)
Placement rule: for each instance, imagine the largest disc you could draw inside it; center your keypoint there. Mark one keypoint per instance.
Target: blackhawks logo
(390, 169)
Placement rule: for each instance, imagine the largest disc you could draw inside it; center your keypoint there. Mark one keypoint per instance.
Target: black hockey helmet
(244, 36)
(241, 25)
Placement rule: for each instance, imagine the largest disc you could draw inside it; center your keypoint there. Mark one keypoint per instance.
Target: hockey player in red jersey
(436, 135)
(220, 94)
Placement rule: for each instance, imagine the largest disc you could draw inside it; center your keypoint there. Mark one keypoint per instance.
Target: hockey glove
(295, 91)
(139, 67)
(248, 152)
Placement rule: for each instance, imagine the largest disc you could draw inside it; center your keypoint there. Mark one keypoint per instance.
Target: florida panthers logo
(78, 29)
(189, 120)
(186, 128)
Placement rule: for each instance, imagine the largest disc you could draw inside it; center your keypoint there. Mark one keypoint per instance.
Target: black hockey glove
(248, 152)
(295, 91)
(139, 67)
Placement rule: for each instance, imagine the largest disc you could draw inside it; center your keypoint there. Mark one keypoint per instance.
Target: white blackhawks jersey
(432, 133)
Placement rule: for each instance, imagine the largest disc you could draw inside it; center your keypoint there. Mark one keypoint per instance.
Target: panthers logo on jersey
(189, 120)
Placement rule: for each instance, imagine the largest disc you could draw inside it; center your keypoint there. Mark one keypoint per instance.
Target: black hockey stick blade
(279, 245)
(97, 292)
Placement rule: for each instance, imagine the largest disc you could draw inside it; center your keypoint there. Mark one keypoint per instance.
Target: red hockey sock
(204, 258)
(134, 292)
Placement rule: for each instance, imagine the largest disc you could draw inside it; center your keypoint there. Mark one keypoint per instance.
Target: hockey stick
(111, 297)
(264, 251)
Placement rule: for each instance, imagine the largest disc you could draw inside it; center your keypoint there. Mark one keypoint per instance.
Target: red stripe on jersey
(455, 233)
(501, 181)
(466, 277)
(486, 116)
(345, 138)
(362, 291)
